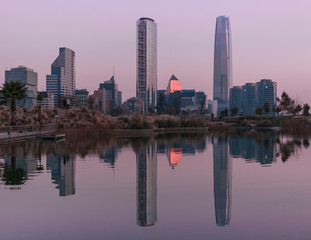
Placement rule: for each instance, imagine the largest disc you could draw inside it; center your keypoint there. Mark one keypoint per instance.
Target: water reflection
(222, 180)
(146, 185)
(22, 162)
(62, 167)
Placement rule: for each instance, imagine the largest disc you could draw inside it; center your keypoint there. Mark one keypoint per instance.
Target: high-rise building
(173, 85)
(266, 92)
(81, 97)
(146, 75)
(62, 81)
(235, 99)
(28, 77)
(222, 63)
(111, 94)
(249, 101)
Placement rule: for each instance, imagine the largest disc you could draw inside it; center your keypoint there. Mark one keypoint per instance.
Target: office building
(249, 101)
(266, 92)
(112, 94)
(173, 85)
(146, 76)
(98, 101)
(235, 98)
(222, 63)
(81, 97)
(28, 77)
(48, 99)
(62, 80)
(133, 105)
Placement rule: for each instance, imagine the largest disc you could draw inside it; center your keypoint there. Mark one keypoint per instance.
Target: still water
(246, 186)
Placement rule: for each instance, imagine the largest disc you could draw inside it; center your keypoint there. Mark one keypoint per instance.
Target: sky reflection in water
(174, 186)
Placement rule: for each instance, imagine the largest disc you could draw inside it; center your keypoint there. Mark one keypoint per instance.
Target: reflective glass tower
(222, 63)
(62, 81)
(146, 78)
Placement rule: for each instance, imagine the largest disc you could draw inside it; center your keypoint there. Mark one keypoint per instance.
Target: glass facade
(222, 63)
(146, 81)
(62, 81)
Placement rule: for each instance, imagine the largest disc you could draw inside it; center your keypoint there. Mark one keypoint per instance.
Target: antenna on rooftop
(113, 71)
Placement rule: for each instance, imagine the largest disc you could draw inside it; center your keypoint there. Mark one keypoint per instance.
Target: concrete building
(81, 97)
(97, 101)
(188, 100)
(28, 77)
(133, 105)
(212, 107)
(146, 75)
(222, 63)
(201, 100)
(62, 80)
(119, 105)
(48, 99)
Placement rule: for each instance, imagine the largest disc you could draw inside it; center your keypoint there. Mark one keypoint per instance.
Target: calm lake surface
(246, 186)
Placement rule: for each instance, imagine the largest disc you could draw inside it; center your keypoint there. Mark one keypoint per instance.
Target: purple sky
(270, 39)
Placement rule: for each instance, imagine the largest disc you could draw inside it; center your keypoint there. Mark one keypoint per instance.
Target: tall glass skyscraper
(62, 81)
(222, 63)
(146, 77)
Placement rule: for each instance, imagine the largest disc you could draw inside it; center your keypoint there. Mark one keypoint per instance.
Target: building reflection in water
(146, 185)
(261, 149)
(222, 180)
(109, 156)
(174, 156)
(62, 168)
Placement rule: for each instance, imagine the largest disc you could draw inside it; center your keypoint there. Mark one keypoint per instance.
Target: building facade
(222, 63)
(81, 97)
(28, 77)
(62, 80)
(146, 56)
(173, 85)
(266, 92)
(235, 99)
(249, 101)
(112, 94)
(48, 99)
(133, 105)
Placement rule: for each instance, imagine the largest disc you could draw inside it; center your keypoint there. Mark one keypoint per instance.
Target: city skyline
(264, 47)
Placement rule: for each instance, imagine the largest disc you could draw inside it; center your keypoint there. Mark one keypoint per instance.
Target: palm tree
(39, 99)
(12, 91)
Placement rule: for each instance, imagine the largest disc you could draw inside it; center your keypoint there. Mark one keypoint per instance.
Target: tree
(306, 109)
(259, 111)
(286, 103)
(297, 109)
(39, 99)
(161, 104)
(224, 113)
(12, 91)
(266, 107)
(234, 111)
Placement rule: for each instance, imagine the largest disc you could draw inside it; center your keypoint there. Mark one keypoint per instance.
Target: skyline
(269, 45)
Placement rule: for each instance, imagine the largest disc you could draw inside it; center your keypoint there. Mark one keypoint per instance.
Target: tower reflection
(146, 184)
(62, 168)
(222, 180)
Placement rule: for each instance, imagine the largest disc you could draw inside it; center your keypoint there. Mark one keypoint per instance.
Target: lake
(194, 186)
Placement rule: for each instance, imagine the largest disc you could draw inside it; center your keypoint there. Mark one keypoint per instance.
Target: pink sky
(270, 39)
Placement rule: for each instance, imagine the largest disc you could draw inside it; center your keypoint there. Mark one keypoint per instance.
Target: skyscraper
(146, 75)
(62, 81)
(222, 63)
